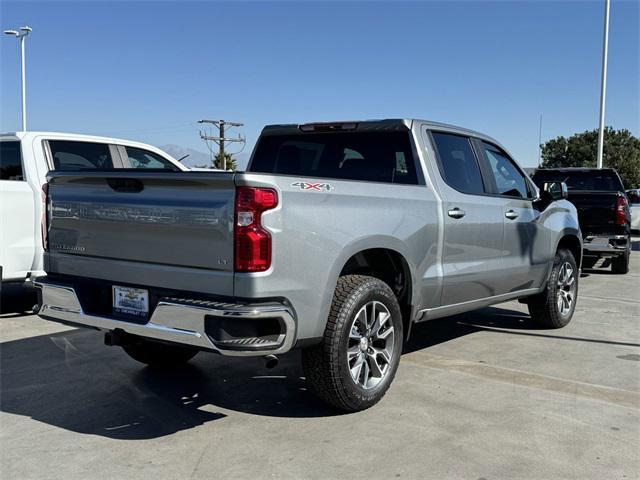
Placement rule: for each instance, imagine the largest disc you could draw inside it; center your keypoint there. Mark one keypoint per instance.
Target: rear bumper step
(605, 245)
(232, 329)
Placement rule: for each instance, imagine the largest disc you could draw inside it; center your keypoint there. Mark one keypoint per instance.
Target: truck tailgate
(135, 226)
(596, 211)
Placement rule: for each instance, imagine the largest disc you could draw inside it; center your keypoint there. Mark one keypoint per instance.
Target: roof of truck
(387, 124)
(78, 136)
(574, 169)
(32, 135)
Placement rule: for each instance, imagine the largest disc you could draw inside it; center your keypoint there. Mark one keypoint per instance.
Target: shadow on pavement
(72, 381)
(442, 330)
(14, 299)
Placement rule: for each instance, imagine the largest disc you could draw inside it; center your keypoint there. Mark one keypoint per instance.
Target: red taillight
(44, 219)
(621, 214)
(252, 241)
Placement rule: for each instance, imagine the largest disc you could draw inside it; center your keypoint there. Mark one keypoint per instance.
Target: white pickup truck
(25, 160)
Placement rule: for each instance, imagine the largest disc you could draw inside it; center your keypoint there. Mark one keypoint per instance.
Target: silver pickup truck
(336, 240)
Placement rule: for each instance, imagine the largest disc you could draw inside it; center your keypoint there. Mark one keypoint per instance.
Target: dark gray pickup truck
(603, 212)
(336, 240)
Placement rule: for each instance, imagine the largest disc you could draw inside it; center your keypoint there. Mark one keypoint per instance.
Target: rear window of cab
(368, 156)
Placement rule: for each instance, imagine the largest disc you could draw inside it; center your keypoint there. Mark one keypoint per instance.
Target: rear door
(473, 226)
(525, 243)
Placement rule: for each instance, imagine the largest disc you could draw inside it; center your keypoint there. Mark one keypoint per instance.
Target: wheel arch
(573, 243)
(391, 267)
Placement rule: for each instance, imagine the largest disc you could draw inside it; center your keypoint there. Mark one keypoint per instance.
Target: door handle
(511, 215)
(456, 213)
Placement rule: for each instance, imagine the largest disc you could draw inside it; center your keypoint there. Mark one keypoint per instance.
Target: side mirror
(557, 190)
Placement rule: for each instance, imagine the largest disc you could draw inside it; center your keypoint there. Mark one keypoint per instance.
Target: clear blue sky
(149, 70)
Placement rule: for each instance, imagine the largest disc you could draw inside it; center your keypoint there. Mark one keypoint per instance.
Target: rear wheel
(158, 354)
(357, 360)
(620, 264)
(554, 307)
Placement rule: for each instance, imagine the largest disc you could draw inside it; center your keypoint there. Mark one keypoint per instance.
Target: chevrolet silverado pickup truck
(336, 240)
(603, 212)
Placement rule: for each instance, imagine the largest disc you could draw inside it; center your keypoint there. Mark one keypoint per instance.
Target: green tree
(621, 151)
(231, 162)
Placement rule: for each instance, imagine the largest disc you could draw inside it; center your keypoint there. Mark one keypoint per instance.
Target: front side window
(369, 156)
(458, 163)
(140, 158)
(509, 180)
(70, 155)
(10, 161)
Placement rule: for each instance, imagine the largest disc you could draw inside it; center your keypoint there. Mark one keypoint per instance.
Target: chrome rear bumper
(608, 245)
(174, 320)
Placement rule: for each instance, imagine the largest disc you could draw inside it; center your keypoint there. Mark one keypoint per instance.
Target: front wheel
(158, 354)
(355, 363)
(554, 307)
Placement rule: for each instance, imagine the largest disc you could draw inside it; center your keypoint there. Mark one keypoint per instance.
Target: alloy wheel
(371, 344)
(566, 289)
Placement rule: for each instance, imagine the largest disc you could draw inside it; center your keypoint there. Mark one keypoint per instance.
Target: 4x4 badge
(321, 187)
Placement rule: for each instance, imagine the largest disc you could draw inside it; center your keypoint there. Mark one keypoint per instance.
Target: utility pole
(221, 138)
(22, 35)
(603, 85)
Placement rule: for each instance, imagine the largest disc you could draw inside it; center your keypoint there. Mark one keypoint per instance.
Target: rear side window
(371, 156)
(458, 163)
(10, 161)
(80, 155)
(140, 158)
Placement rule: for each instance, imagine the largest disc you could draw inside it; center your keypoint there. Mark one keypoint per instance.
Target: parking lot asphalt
(484, 395)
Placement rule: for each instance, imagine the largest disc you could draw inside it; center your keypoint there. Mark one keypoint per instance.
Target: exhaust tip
(271, 361)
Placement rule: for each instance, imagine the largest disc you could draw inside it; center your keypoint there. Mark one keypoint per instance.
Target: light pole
(22, 35)
(603, 85)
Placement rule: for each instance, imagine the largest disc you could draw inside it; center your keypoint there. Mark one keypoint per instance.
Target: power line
(158, 129)
(220, 139)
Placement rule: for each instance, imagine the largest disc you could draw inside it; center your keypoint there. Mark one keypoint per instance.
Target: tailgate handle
(125, 185)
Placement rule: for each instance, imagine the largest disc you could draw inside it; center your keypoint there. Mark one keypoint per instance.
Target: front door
(525, 243)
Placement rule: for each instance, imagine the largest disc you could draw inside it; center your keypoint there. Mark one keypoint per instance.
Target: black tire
(543, 307)
(620, 264)
(158, 354)
(326, 366)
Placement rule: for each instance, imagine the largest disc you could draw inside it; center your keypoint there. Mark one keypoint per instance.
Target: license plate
(131, 301)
